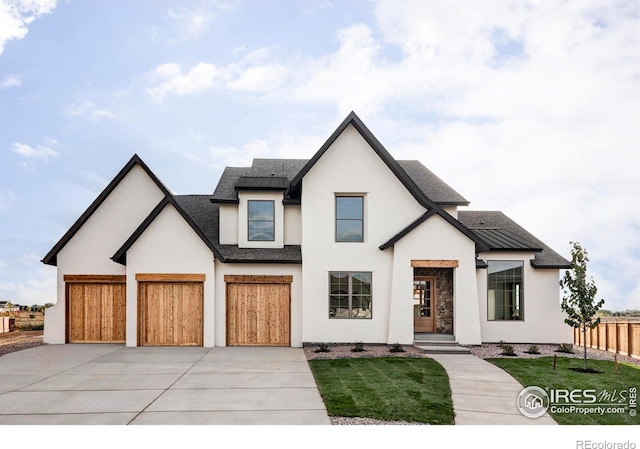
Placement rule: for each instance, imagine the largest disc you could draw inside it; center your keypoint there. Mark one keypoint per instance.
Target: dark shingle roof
(431, 186)
(288, 254)
(483, 222)
(262, 183)
(205, 215)
(435, 188)
(226, 192)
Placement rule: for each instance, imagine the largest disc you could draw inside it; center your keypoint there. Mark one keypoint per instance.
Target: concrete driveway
(111, 384)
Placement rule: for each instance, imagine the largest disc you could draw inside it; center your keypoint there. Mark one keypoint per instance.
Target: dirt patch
(19, 340)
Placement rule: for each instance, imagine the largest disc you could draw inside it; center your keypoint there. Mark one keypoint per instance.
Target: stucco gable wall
(543, 318)
(90, 249)
(350, 166)
(169, 245)
(435, 239)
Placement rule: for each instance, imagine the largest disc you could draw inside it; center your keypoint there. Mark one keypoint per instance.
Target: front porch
(433, 300)
(438, 343)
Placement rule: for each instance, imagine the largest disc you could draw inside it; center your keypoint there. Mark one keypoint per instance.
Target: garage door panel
(171, 313)
(96, 313)
(258, 314)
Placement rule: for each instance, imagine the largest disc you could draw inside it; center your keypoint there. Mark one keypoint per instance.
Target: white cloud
(190, 23)
(89, 111)
(170, 80)
(265, 78)
(40, 152)
(17, 15)
(39, 287)
(10, 81)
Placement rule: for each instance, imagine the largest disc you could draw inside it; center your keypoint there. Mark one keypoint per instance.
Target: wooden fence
(621, 337)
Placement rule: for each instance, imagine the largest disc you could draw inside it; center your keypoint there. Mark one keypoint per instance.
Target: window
(261, 220)
(349, 219)
(349, 294)
(505, 290)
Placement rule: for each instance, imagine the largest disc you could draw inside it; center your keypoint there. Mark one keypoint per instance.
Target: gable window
(505, 293)
(261, 216)
(349, 219)
(350, 294)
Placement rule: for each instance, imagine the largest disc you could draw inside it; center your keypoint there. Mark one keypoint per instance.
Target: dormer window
(261, 216)
(349, 219)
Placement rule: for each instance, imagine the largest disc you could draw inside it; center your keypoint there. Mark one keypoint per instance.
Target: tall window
(261, 220)
(505, 293)
(349, 219)
(349, 294)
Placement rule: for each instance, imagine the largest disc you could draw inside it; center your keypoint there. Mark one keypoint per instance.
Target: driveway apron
(112, 384)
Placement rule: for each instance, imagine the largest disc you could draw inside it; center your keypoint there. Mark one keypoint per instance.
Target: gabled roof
(52, 256)
(487, 222)
(389, 243)
(353, 120)
(121, 255)
(374, 143)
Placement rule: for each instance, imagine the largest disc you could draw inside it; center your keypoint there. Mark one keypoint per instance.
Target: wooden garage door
(95, 308)
(258, 310)
(170, 310)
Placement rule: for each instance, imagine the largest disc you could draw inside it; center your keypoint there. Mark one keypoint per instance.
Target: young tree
(578, 300)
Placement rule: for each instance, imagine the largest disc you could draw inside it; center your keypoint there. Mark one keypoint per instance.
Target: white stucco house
(350, 245)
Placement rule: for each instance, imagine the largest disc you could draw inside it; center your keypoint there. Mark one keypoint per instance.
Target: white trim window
(350, 294)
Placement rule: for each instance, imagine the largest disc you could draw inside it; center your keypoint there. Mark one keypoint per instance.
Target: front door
(424, 302)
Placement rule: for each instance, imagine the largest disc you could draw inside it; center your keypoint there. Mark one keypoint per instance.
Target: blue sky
(532, 108)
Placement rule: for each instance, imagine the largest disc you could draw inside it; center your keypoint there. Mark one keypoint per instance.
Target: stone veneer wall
(444, 296)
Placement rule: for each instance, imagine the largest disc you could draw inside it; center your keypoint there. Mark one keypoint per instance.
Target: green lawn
(539, 372)
(387, 388)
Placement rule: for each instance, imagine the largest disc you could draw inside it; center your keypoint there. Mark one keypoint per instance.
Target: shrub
(501, 343)
(508, 350)
(358, 347)
(323, 347)
(396, 347)
(533, 349)
(566, 348)
(31, 327)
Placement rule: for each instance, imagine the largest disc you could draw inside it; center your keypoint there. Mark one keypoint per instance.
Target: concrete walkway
(111, 384)
(483, 393)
